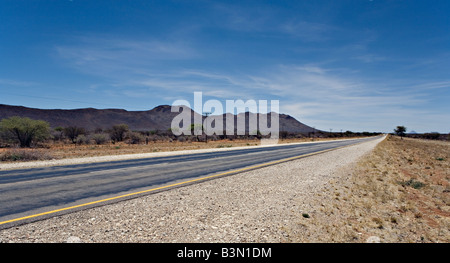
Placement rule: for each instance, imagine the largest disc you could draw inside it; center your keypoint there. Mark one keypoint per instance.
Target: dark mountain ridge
(158, 118)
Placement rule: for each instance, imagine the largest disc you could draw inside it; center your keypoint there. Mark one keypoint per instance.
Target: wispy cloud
(319, 91)
(370, 58)
(238, 18)
(326, 97)
(308, 31)
(431, 86)
(111, 54)
(312, 93)
(17, 83)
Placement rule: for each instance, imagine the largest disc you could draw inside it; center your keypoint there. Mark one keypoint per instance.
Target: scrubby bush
(135, 137)
(82, 139)
(181, 139)
(100, 138)
(118, 132)
(412, 183)
(432, 136)
(58, 133)
(73, 132)
(24, 155)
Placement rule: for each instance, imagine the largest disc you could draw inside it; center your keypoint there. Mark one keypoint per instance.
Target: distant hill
(158, 118)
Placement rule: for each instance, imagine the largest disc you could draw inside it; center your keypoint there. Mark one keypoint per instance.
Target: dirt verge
(398, 193)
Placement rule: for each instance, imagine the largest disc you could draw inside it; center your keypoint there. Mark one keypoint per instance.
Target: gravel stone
(262, 205)
(373, 239)
(73, 239)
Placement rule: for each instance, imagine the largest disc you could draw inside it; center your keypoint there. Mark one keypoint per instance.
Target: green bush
(24, 131)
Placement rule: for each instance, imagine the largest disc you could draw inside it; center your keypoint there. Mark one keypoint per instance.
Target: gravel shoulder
(263, 205)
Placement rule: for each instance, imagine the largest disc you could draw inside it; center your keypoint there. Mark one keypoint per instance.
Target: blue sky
(356, 65)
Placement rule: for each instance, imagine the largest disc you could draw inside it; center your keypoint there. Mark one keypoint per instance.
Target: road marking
(173, 185)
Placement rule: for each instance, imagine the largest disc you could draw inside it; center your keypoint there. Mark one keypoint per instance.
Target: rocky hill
(158, 118)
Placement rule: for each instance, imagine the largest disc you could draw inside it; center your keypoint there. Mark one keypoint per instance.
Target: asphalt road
(32, 194)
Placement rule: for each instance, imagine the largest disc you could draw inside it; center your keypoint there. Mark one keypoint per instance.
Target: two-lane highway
(31, 194)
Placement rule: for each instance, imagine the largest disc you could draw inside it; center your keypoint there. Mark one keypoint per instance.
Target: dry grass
(23, 155)
(398, 193)
(63, 151)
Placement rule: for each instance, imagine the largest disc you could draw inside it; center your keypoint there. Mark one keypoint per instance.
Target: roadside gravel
(263, 205)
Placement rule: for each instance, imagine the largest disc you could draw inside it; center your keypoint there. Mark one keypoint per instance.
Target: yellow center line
(168, 186)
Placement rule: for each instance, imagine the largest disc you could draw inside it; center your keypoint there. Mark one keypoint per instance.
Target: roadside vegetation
(398, 193)
(24, 139)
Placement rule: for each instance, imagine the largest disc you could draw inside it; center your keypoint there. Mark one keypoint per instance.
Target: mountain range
(158, 118)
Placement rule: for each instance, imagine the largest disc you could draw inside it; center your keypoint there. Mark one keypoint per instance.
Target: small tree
(400, 131)
(118, 132)
(24, 130)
